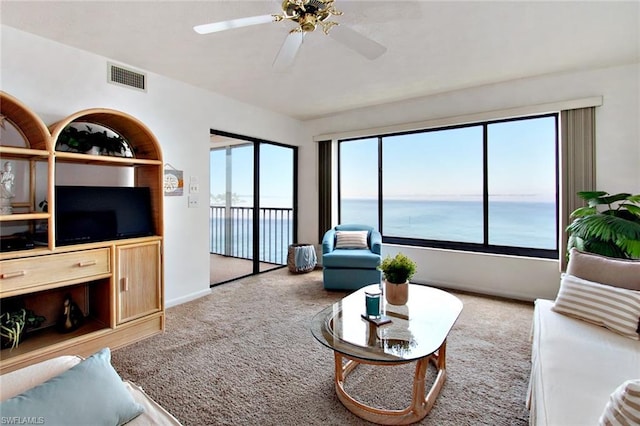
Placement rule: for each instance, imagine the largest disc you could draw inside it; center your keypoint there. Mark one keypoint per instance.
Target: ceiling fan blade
(233, 23)
(354, 40)
(289, 50)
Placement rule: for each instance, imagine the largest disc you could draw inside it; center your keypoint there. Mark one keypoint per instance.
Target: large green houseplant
(397, 270)
(609, 225)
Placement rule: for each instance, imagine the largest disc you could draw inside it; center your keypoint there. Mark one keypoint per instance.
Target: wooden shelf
(26, 153)
(16, 254)
(78, 158)
(47, 337)
(23, 216)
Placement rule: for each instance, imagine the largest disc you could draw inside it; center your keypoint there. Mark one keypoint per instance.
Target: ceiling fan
(308, 15)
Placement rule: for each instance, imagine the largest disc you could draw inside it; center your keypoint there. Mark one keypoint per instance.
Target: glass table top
(417, 329)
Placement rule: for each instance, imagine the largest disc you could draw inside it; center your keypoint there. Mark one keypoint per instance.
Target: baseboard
(187, 298)
(480, 291)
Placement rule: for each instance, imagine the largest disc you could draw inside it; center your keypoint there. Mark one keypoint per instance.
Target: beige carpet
(244, 355)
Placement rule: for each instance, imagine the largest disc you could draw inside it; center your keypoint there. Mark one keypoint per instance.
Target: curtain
(577, 167)
(324, 190)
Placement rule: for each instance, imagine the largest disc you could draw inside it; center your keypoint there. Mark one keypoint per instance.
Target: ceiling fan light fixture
(308, 23)
(308, 15)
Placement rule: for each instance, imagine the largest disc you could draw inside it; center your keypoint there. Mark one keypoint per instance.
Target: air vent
(127, 77)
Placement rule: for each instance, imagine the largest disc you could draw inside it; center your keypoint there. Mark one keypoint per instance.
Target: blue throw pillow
(89, 393)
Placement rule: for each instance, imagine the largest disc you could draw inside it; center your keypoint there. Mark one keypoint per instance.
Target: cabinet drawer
(19, 274)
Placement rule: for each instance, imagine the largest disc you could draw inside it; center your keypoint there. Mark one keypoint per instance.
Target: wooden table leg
(420, 404)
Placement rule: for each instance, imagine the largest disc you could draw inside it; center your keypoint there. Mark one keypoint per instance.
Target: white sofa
(20, 381)
(577, 365)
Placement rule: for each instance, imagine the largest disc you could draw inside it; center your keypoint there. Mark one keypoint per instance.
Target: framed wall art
(173, 181)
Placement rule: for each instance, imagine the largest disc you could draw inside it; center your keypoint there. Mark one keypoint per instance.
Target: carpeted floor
(244, 355)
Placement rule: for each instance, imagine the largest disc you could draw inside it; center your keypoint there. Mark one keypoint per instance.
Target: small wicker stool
(301, 258)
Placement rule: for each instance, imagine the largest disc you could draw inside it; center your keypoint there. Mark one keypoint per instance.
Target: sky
(441, 165)
(447, 164)
(276, 175)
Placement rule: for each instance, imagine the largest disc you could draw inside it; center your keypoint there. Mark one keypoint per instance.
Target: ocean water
(511, 223)
(276, 234)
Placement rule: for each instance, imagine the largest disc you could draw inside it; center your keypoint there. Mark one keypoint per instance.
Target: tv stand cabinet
(118, 285)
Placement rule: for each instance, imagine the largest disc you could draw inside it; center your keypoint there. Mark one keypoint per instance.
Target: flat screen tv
(101, 213)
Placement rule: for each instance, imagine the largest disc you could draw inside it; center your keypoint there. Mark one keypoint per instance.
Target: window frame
(483, 247)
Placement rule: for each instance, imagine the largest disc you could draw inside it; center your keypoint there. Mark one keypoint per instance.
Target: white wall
(55, 81)
(617, 164)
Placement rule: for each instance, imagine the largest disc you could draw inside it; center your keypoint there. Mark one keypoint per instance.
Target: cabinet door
(139, 280)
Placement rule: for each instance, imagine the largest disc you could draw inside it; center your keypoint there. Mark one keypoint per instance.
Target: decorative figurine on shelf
(7, 188)
(71, 318)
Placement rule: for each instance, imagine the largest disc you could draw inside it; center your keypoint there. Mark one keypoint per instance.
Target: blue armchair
(353, 263)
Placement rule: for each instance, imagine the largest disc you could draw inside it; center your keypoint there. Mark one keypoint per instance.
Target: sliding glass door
(252, 208)
(231, 213)
(276, 203)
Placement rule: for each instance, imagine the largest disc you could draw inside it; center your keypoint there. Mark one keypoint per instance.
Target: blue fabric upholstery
(89, 393)
(350, 258)
(351, 269)
(349, 279)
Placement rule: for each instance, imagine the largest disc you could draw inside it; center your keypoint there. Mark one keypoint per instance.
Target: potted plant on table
(397, 272)
(14, 323)
(609, 225)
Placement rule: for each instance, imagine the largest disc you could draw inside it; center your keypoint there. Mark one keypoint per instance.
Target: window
(522, 183)
(359, 182)
(489, 187)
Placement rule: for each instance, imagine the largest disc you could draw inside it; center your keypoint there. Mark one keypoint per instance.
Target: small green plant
(609, 225)
(398, 269)
(13, 324)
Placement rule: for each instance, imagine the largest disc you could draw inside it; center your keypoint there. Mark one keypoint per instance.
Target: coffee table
(417, 333)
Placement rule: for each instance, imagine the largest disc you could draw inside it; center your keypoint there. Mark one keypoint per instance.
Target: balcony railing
(232, 232)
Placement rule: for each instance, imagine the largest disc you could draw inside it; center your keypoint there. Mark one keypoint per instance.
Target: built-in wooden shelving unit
(117, 284)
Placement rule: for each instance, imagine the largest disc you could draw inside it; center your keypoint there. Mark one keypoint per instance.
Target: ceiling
(433, 46)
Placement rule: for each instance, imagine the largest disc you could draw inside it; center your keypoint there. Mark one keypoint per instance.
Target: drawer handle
(125, 284)
(86, 263)
(13, 274)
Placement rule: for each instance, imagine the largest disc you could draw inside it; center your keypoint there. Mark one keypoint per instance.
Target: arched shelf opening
(32, 129)
(136, 134)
